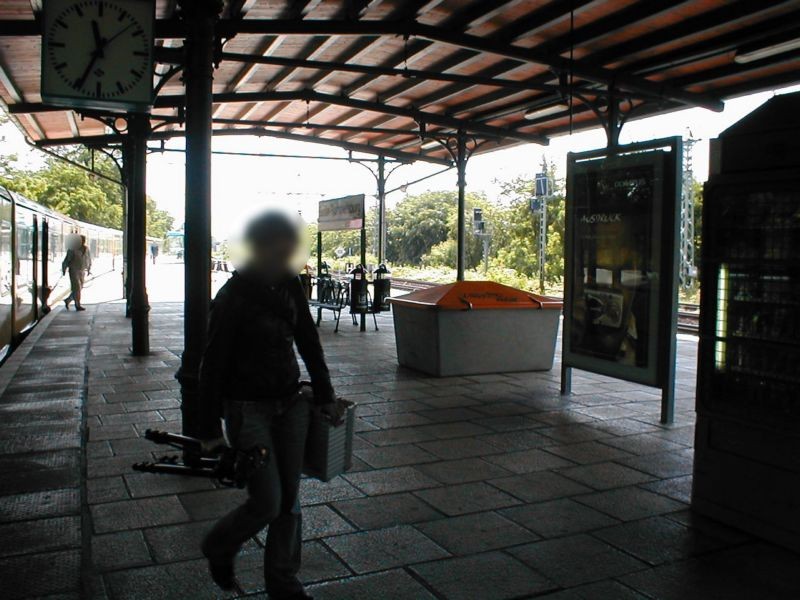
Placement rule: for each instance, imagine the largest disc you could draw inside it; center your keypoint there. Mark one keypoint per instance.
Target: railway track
(688, 314)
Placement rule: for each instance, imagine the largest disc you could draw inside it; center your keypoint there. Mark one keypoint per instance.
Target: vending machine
(747, 455)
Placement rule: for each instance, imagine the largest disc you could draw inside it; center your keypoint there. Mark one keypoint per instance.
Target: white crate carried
(329, 448)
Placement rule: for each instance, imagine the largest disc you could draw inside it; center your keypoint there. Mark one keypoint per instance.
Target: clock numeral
(120, 88)
(57, 44)
(78, 10)
(61, 66)
(99, 90)
(61, 23)
(100, 9)
(137, 33)
(122, 16)
(136, 73)
(140, 53)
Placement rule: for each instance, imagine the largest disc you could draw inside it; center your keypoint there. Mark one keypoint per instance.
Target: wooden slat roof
(371, 74)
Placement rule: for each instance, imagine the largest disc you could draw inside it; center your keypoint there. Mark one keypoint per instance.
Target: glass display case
(747, 442)
(752, 289)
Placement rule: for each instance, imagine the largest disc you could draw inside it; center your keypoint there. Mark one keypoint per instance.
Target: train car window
(6, 279)
(25, 283)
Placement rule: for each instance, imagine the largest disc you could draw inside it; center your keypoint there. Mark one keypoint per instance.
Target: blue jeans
(273, 500)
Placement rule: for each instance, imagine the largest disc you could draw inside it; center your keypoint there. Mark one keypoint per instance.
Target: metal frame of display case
(666, 307)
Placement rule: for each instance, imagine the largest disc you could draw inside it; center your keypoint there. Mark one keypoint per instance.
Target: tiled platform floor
(480, 488)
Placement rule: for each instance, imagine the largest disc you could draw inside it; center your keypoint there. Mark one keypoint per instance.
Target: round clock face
(99, 49)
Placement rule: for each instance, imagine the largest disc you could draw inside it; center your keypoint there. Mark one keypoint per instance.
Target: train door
(56, 246)
(44, 264)
(6, 274)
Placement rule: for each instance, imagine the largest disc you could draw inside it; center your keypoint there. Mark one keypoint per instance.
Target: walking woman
(78, 261)
(250, 379)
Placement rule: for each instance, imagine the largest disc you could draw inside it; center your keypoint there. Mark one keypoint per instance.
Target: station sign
(340, 214)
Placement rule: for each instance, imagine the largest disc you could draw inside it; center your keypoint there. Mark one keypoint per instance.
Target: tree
(68, 189)
(422, 229)
(445, 253)
(417, 224)
(518, 243)
(159, 222)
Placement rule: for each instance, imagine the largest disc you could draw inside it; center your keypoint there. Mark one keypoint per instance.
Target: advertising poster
(617, 209)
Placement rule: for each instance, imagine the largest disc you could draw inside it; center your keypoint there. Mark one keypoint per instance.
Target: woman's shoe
(66, 303)
(79, 308)
(222, 573)
(221, 570)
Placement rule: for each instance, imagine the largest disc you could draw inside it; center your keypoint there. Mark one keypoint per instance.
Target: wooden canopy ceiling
(372, 75)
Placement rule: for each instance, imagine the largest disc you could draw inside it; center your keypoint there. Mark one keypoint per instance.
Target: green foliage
(518, 240)
(69, 189)
(422, 229)
(73, 191)
(416, 225)
(159, 222)
(423, 233)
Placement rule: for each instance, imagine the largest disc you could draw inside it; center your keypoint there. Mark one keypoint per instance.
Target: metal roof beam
(729, 12)
(699, 51)
(388, 71)
(313, 126)
(703, 50)
(578, 67)
(293, 11)
(296, 9)
(407, 10)
(536, 20)
(106, 140)
(366, 105)
(598, 28)
(734, 68)
(310, 96)
(556, 45)
(460, 20)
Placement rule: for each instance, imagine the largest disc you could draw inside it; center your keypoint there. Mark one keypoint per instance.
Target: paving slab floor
(486, 487)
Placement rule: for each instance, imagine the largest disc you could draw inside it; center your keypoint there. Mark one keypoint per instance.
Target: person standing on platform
(78, 262)
(249, 379)
(154, 252)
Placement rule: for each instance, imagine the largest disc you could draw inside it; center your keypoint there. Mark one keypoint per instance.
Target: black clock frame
(82, 100)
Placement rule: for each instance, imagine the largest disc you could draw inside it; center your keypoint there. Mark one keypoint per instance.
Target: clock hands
(119, 33)
(100, 45)
(98, 39)
(82, 79)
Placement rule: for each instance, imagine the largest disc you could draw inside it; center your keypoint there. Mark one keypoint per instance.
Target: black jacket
(250, 353)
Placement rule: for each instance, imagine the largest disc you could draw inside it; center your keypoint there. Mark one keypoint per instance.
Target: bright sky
(243, 185)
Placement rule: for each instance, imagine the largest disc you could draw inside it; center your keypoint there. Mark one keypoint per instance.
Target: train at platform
(33, 242)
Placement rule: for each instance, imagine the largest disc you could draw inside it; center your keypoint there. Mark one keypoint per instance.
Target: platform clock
(98, 54)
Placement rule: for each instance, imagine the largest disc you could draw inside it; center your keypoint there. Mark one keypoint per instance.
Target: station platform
(486, 487)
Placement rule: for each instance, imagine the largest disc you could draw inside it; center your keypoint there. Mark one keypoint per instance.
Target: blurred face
(273, 258)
